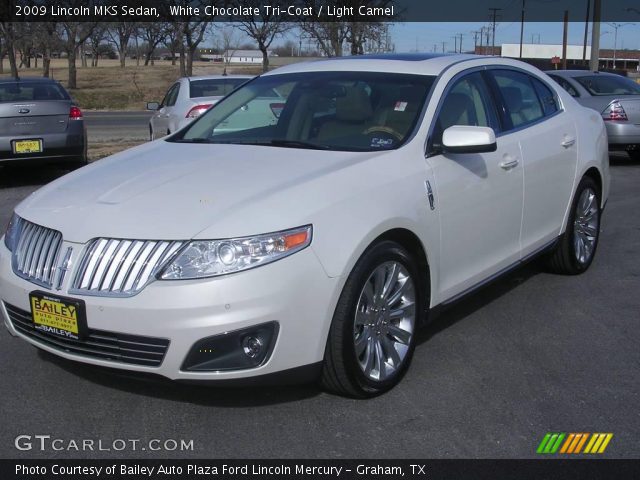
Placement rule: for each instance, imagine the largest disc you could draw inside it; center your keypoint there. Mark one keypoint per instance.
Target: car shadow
(155, 386)
(622, 159)
(461, 309)
(11, 177)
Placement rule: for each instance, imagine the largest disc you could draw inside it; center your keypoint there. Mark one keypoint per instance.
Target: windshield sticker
(400, 106)
(381, 142)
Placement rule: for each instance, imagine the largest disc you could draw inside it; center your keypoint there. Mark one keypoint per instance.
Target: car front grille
(36, 254)
(111, 267)
(117, 347)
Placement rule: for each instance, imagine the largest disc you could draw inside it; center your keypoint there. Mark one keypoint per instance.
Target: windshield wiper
(281, 142)
(191, 140)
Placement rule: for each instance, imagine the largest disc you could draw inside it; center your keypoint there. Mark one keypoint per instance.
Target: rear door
(549, 144)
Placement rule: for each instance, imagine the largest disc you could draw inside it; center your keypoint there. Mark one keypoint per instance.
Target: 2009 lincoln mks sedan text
(316, 241)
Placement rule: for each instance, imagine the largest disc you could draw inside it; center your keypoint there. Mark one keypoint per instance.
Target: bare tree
(153, 33)
(173, 40)
(120, 34)
(8, 33)
(229, 44)
(331, 34)
(264, 28)
(193, 34)
(75, 34)
(95, 40)
(45, 39)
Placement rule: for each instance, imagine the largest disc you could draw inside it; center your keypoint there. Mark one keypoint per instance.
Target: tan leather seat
(353, 115)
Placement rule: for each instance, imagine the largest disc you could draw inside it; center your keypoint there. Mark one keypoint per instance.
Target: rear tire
(372, 335)
(577, 246)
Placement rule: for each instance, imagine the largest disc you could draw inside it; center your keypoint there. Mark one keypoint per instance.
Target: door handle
(509, 162)
(568, 141)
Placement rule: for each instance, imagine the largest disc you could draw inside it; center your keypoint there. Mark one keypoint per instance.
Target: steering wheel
(384, 129)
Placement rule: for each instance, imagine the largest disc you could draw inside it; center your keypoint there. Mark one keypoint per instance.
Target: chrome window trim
(481, 68)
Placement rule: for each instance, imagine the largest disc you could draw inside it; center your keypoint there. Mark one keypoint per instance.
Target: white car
(187, 99)
(312, 248)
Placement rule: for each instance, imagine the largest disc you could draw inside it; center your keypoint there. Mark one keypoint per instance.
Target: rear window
(31, 91)
(609, 85)
(217, 87)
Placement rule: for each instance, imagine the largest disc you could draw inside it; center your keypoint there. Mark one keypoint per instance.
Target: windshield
(354, 111)
(609, 85)
(214, 87)
(30, 91)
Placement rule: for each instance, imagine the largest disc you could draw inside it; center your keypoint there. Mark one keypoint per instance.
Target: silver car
(187, 99)
(615, 97)
(40, 123)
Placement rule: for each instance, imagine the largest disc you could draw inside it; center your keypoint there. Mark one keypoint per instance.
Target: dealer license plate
(27, 146)
(63, 317)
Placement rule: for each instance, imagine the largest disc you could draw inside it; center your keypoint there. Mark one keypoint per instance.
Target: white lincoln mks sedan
(312, 242)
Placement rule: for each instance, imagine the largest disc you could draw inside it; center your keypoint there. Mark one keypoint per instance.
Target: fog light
(237, 350)
(252, 346)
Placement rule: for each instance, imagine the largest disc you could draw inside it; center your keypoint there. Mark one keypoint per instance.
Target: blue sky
(407, 35)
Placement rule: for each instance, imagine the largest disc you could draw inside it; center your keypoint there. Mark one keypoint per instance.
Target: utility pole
(586, 33)
(494, 16)
(595, 37)
(521, 27)
(443, 46)
(616, 26)
(455, 39)
(564, 39)
(475, 40)
(461, 35)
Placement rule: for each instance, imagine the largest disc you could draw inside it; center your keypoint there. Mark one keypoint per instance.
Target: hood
(172, 191)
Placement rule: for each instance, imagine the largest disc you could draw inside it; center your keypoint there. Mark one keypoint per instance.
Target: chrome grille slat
(118, 347)
(120, 267)
(36, 253)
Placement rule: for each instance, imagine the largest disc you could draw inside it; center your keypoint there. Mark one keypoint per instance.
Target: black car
(40, 123)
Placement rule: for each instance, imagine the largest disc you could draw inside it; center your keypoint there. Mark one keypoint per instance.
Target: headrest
(354, 106)
(458, 109)
(513, 98)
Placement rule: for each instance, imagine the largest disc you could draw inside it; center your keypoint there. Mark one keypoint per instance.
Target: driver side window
(468, 103)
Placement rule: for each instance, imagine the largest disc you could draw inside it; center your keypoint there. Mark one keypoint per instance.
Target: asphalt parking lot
(530, 354)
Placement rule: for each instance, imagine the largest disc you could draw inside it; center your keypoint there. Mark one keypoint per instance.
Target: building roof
(244, 53)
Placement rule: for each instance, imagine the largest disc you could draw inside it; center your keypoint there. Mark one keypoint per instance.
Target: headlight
(210, 258)
(12, 234)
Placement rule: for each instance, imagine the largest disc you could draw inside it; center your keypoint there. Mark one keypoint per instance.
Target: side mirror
(468, 139)
(153, 106)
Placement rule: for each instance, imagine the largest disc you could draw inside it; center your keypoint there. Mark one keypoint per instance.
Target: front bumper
(294, 291)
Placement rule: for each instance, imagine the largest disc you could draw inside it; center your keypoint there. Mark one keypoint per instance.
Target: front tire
(372, 335)
(577, 246)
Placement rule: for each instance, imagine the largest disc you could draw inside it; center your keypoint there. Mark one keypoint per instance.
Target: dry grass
(98, 150)
(109, 87)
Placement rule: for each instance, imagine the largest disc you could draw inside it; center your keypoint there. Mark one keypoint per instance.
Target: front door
(479, 195)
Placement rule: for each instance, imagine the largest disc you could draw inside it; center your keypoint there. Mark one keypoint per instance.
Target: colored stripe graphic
(550, 443)
(572, 443)
(598, 443)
